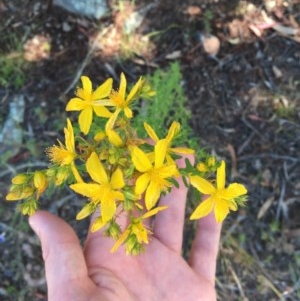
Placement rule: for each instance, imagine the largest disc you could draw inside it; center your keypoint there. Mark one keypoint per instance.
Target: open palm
(156, 275)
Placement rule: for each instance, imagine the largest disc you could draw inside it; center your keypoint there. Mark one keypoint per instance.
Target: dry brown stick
(83, 65)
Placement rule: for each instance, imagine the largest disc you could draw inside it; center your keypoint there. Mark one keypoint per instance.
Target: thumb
(62, 253)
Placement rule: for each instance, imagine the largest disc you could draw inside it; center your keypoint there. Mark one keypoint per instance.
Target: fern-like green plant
(168, 104)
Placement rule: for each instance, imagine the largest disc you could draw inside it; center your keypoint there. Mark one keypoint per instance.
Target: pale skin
(95, 274)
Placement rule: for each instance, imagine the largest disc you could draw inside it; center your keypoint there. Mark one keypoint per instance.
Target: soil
(245, 103)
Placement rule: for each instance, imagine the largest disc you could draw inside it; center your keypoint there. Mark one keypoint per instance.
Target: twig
(266, 276)
(281, 205)
(266, 155)
(245, 143)
(232, 228)
(249, 125)
(55, 205)
(238, 283)
(14, 170)
(83, 64)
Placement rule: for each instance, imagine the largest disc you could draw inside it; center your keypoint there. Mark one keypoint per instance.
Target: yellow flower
(209, 165)
(62, 175)
(19, 193)
(173, 131)
(146, 91)
(87, 210)
(114, 138)
(29, 207)
(100, 136)
(220, 199)
(89, 101)
(137, 229)
(202, 167)
(20, 179)
(119, 100)
(104, 190)
(154, 176)
(65, 155)
(211, 161)
(40, 183)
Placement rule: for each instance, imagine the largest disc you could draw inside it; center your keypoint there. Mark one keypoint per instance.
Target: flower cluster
(118, 172)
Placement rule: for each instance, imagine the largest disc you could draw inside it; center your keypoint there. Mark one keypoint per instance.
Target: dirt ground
(245, 102)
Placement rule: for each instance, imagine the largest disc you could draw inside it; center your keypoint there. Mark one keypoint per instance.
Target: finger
(62, 253)
(205, 247)
(168, 225)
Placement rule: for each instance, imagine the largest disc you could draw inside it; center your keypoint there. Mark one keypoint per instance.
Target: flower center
(156, 176)
(117, 99)
(81, 93)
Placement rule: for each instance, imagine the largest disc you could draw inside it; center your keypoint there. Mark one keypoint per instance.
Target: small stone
(88, 8)
(211, 44)
(66, 27)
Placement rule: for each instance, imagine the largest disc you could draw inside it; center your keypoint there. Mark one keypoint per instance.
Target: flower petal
(86, 84)
(182, 150)
(152, 195)
(111, 121)
(233, 191)
(97, 224)
(221, 210)
(69, 136)
(114, 138)
(120, 240)
(173, 130)
(134, 90)
(203, 209)
(128, 112)
(233, 206)
(221, 176)
(75, 172)
(202, 185)
(76, 104)
(154, 211)
(160, 151)
(150, 132)
(85, 119)
(108, 209)
(122, 87)
(117, 195)
(142, 183)
(140, 160)
(85, 189)
(96, 170)
(117, 180)
(87, 210)
(101, 111)
(103, 90)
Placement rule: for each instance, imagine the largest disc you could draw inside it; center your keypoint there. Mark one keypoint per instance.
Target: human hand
(158, 274)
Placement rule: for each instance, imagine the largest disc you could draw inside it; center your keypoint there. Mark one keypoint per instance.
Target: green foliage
(207, 18)
(12, 63)
(169, 104)
(285, 112)
(11, 73)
